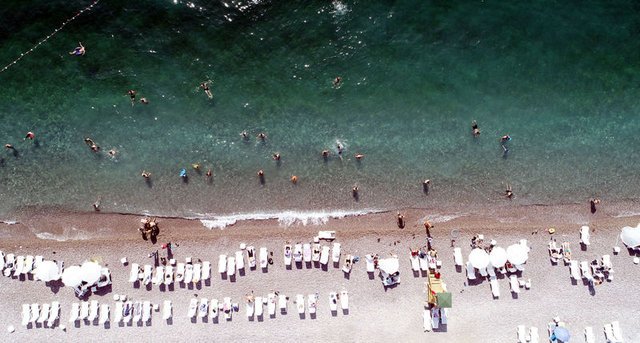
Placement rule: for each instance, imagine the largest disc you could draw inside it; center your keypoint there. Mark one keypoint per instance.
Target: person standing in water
(475, 131)
(132, 95)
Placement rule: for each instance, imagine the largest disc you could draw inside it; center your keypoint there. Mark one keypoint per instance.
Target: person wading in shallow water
(593, 203)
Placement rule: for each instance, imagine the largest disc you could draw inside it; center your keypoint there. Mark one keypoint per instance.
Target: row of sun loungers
(47, 314)
(14, 266)
(533, 337)
(211, 309)
(182, 273)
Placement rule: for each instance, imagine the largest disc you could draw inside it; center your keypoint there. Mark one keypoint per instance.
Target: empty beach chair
(300, 303)
(369, 261)
(264, 258)
(168, 275)
(214, 306)
(306, 252)
(117, 312)
(495, 287)
(239, 260)
(312, 302)
(259, 303)
(84, 310)
(250, 307)
(28, 264)
(167, 310)
(44, 313)
(127, 312)
(424, 262)
(193, 307)
(522, 334)
(54, 314)
(188, 273)
(585, 268)
(457, 256)
(444, 314)
(271, 304)
(344, 300)
(608, 333)
(35, 313)
(575, 270)
(203, 309)
(534, 335)
(197, 272)
(335, 254)
(2, 260)
(26, 314)
(282, 303)
(226, 308)
(617, 332)
(36, 263)
(180, 272)
(146, 311)
(333, 301)
(251, 256)
(137, 311)
(159, 277)
(74, 313)
(222, 264)
(589, 336)
(471, 272)
(288, 254)
(231, 266)
(104, 314)
(324, 255)
(585, 236)
(146, 276)
(297, 253)
(426, 319)
(606, 263)
(206, 270)
(19, 266)
(9, 264)
(515, 286)
(134, 275)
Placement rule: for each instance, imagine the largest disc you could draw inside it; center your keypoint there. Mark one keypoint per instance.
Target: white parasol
(47, 271)
(389, 265)
(630, 236)
(498, 257)
(90, 272)
(72, 276)
(479, 258)
(517, 254)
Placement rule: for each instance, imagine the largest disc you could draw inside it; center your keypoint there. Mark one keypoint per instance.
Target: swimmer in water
(9, 146)
(340, 148)
(262, 136)
(209, 173)
(196, 166)
(505, 138)
(359, 156)
(207, 91)
(354, 191)
(325, 154)
(95, 148)
(113, 153)
(508, 192)
(245, 135)
(276, 156)
(79, 50)
(475, 131)
(30, 135)
(132, 94)
(294, 179)
(144, 101)
(146, 175)
(337, 82)
(89, 141)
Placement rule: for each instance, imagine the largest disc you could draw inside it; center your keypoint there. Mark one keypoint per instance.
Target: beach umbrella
(72, 276)
(517, 254)
(389, 265)
(630, 236)
(90, 272)
(479, 258)
(47, 271)
(498, 257)
(443, 300)
(561, 333)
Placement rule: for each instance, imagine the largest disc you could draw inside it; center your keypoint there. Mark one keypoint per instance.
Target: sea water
(560, 78)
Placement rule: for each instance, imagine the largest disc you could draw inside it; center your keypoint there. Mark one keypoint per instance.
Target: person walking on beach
(205, 87)
(401, 221)
(79, 50)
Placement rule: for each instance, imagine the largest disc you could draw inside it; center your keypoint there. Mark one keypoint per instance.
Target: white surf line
(88, 8)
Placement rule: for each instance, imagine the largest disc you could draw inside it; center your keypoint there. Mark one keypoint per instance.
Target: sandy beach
(375, 314)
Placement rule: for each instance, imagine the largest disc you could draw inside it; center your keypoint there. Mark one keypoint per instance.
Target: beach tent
(517, 254)
(561, 333)
(498, 257)
(72, 276)
(47, 271)
(479, 258)
(389, 270)
(90, 272)
(630, 236)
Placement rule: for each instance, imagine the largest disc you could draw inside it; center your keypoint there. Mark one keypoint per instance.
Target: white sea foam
(286, 218)
(442, 218)
(625, 214)
(9, 222)
(68, 234)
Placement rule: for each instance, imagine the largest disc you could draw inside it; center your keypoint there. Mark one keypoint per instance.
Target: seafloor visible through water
(560, 78)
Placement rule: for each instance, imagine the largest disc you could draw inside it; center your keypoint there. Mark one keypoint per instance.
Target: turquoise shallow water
(560, 77)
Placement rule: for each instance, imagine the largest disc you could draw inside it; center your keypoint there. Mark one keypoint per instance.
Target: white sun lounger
(127, 312)
(324, 255)
(239, 260)
(333, 301)
(9, 264)
(44, 313)
(231, 266)
(197, 272)
(282, 303)
(264, 258)
(589, 336)
(250, 308)
(93, 310)
(313, 302)
(28, 264)
(617, 332)
(415, 264)
(251, 256)
(226, 308)
(585, 236)
(534, 335)
(608, 333)
(306, 252)
(335, 255)
(297, 253)
(19, 266)
(146, 311)
(146, 277)
(135, 272)
(35, 313)
(424, 263)
(180, 273)
(203, 309)
(259, 303)
(426, 319)
(369, 261)
(26, 314)
(193, 307)
(54, 314)
(300, 303)
(575, 270)
(188, 273)
(117, 313)
(167, 310)
(471, 272)
(457, 256)
(344, 300)
(271, 304)
(159, 277)
(435, 318)
(328, 235)
(288, 254)
(315, 252)
(214, 307)
(2, 260)
(515, 286)
(168, 275)
(495, 287)
(206, 270)
(606, 262)
(522, 334)
(586, 270)
(84, 310)
(74, 314)
(104, 314)
(222, 264)
(137, 311)
(444, 315)
(39, 259)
